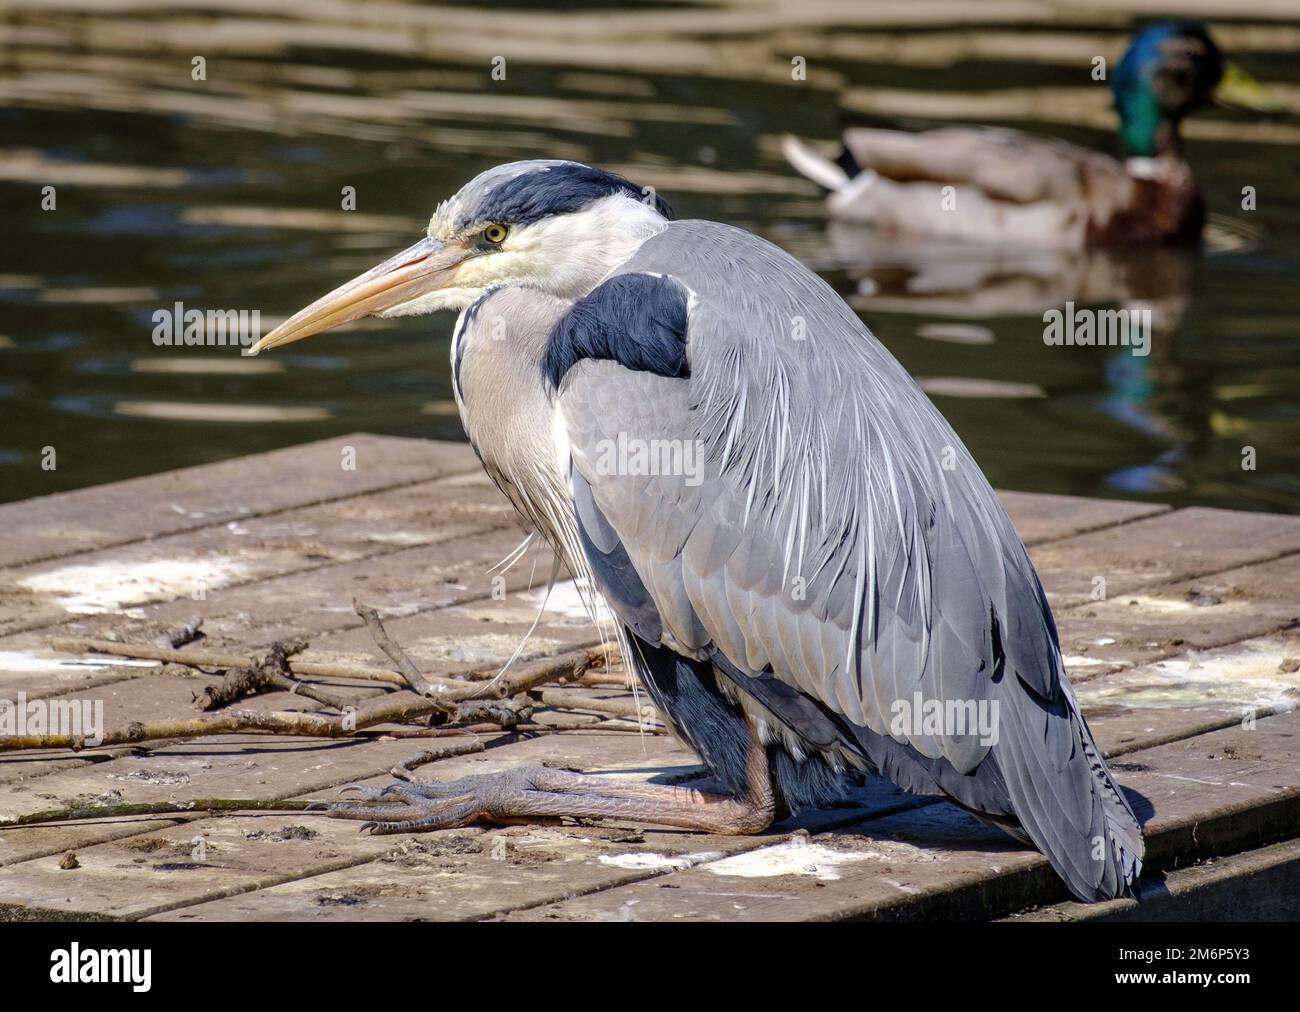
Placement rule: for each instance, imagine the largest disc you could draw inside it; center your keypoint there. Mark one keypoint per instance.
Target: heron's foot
(407, 807)
(536, 792)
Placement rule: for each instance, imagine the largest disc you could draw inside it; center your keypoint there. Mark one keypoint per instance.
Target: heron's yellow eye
(496, 234)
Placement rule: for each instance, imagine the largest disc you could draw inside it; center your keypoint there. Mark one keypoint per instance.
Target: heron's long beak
(423, 268)
(1238, 90)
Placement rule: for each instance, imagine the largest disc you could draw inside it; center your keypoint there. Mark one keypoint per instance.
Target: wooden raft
(1186, 666)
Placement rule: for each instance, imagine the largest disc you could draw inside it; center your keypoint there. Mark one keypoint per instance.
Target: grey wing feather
(620, 582)
(840, 537)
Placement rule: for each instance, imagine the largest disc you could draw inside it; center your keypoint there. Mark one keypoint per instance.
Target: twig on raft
(399, 733)
(593, 680)
(386, 709)
(414, 676)
(93, 811)
(618, 724)
(267, 675)
(567, 700)
(504, 713)
(402, 771)
(383, 710)
(477, 687)
(571, 665)
(565, 721)
(567, 667)
(217, 659)
(237, 684)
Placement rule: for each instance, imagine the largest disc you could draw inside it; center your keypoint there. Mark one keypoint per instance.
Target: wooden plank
(1236, 681)
(479, 633)
(474, 873)
(249, 617)
(1180, 545)
(192, 563)
(178, 865)
(151, 697)
(34, 842)
(29, 666)
(472, 635)
(56, 526)
(309, 603)
(250, 766)
(256, 767)
(1166, 620)
(1255, 885)
(300, 604)
(1209, 795)
(1041, 517)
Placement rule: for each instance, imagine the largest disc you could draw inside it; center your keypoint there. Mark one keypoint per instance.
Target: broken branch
(216, 659)
(413, 675)
(93, 811)
(388, 709)
(568, 700)
(269, 674)
(402, 771)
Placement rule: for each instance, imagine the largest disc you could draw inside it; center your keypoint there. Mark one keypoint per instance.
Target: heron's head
(554, 225)
(1170, 68)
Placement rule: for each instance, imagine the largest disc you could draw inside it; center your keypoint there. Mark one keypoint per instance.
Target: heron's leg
(538, 792)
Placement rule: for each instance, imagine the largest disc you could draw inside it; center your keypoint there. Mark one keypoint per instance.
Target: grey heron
(828, 555)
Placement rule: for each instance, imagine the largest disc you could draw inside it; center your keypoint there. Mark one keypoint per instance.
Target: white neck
(566, 255)
(572, 253)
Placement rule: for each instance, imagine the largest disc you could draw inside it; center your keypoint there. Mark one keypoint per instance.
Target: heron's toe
(444, 815)
(404, 807)
(369, 793)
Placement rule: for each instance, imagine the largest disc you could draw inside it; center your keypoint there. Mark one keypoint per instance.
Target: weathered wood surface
(1181, 630)
(1255, 885)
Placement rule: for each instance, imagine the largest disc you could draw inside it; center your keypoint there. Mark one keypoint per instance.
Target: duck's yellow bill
(1239, 90)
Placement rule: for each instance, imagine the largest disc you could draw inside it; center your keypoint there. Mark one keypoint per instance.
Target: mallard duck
(1014, 187)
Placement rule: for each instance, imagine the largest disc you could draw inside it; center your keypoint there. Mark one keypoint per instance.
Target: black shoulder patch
(558, 189)
(637, 320)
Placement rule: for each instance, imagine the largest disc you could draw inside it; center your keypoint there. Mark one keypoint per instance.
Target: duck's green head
(1171, 68)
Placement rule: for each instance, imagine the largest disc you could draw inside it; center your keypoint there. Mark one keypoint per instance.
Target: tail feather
(1044, 783)
(823, 171)
(1123, 832)
(1067, 802)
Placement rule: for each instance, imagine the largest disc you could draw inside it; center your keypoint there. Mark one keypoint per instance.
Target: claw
(369, 793)
(348, 810)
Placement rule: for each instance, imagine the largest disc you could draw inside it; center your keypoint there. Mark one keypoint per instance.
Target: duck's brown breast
(1163, 208)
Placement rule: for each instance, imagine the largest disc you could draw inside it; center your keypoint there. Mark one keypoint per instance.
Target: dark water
(225, 194)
